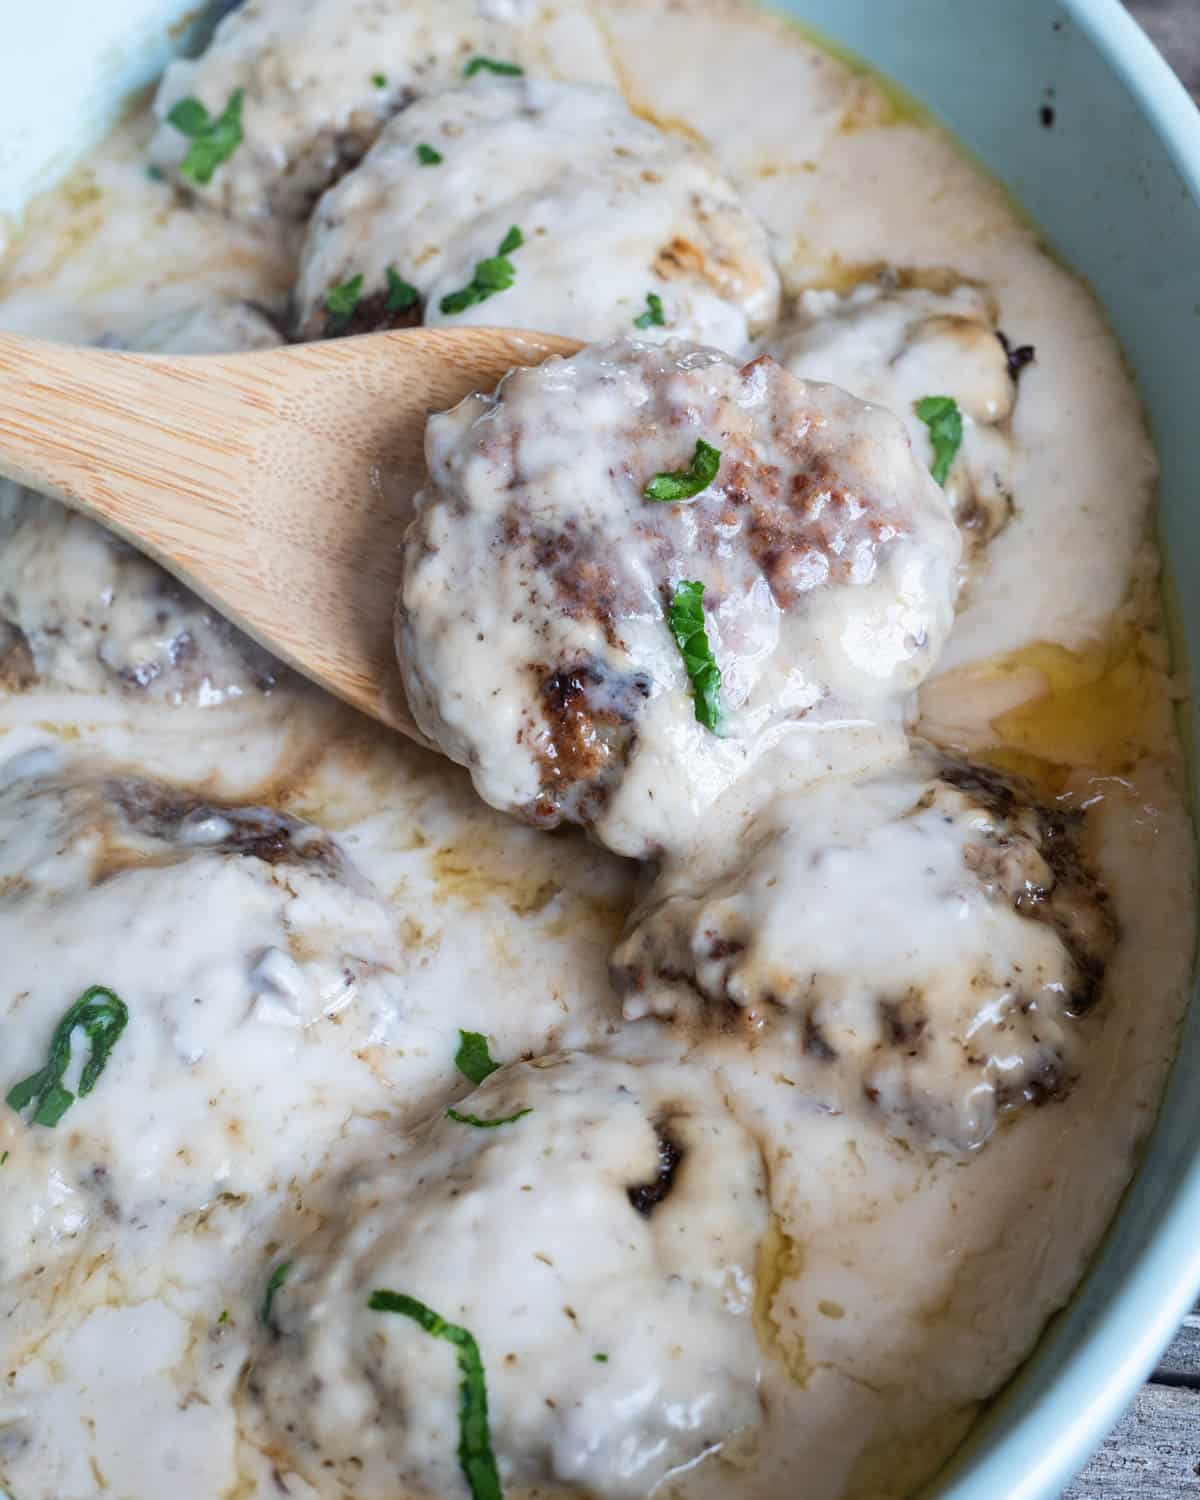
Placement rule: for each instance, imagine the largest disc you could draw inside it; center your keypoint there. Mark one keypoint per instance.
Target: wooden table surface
(1154, 1454)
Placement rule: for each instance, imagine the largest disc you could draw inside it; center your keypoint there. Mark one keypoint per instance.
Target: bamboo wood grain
(277, 485)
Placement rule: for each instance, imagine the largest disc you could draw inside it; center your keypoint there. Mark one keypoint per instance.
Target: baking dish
(1073, 109)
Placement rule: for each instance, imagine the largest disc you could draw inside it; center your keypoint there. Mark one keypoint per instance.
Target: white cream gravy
(895, 1289)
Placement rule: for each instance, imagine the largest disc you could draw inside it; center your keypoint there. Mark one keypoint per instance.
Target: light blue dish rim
(1163, 100)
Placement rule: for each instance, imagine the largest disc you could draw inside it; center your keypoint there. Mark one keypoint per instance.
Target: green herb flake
(653, 316)
(379, 80)
(686, 484)
(491, 65)
(475, 1456)
(190, 118)
(473, 1060)
(401, 294)
(428, 156)
(686, 619)
(224, 1318)
(214, 139)
(278, 1276)
(601, 1359)
(341, 301)
(496, 274)
(481, 1124)
(3, 1159)
(102, 1017)
(944, 420)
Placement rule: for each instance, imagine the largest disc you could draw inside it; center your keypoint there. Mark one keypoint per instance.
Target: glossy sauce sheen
(825, 625)
(799, 1284)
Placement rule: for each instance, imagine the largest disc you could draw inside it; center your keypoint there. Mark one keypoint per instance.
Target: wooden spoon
(276, 485)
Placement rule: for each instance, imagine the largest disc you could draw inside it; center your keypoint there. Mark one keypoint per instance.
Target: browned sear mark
(256, 832)
(646, 1196)
(1033, 858)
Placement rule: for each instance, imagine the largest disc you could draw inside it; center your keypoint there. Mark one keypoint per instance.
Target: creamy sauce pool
(300, 978)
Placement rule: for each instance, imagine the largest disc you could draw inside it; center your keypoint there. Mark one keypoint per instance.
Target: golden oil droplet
(1102, 707)
(779, 1260)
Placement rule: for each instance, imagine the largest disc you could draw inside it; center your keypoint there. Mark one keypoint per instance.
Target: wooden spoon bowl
(277, 485)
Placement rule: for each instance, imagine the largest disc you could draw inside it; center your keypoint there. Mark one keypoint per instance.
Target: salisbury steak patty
(903, 336)
(558, 1224)
(551, 626)
(529, 204)
(922, 941)
(295, 91)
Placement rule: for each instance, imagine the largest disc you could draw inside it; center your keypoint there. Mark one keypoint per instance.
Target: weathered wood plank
(1174, 26)
(1154, 1454)
(1181, 1362)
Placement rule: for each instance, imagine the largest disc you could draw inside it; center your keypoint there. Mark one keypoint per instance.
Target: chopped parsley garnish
(686, 484)
(401, 294)
(3, 1159)
(224, 1318)
(475, 1456)
(473, 1060)
(653, 316)
(944, 420)
(601, 1359)
(686, 619)
(379, 80)
(481, 1124)
(496, 274)
(341, 300)
(278, 1276)
(428, 156)
(102, 1016)
(490, 65)
(214, 138)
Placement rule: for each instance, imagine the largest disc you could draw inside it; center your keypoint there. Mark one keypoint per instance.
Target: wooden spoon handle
(277, 485)
(119, 436)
